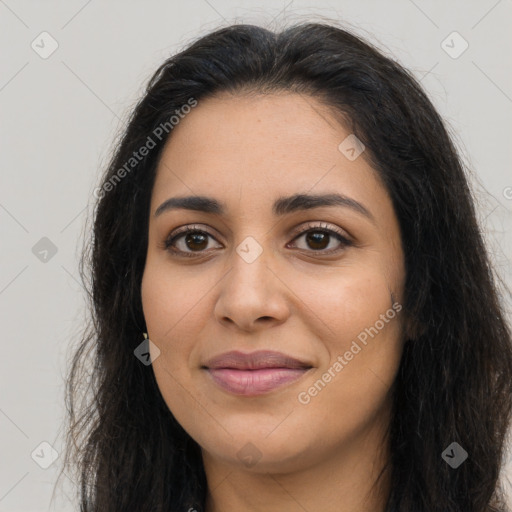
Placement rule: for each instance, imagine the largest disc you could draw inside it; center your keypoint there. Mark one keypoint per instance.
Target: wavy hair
(454, 383)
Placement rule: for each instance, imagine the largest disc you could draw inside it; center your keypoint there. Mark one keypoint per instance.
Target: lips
(255, 361)
(254, 373)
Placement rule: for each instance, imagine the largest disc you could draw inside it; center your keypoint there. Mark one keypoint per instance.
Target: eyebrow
(282, 205)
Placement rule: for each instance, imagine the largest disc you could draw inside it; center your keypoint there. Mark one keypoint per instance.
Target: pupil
(315, 238)
(193, 238)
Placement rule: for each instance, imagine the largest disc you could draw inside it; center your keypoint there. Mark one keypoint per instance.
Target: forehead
(259, 147)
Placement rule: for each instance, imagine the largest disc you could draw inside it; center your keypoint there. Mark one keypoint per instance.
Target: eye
(319, 237)
(190, 239)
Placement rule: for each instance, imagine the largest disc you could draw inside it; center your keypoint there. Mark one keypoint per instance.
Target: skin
(246, 151)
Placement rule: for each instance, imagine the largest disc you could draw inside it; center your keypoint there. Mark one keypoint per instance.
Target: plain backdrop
(61, 111)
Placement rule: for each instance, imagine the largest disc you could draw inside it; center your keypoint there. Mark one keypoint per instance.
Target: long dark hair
(455, 378)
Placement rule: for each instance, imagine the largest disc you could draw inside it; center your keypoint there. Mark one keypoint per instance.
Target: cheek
(343, 304)
(175, 308)
(362, 334)
(171, 300)
(165, 307)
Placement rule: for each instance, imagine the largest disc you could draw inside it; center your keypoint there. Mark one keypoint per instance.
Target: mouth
(254, 373)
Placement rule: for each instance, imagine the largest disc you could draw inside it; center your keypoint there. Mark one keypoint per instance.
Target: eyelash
(309, 228)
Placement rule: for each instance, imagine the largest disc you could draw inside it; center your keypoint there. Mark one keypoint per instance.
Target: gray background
(59, 117)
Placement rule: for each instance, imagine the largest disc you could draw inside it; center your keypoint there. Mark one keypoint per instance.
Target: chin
(261, 453)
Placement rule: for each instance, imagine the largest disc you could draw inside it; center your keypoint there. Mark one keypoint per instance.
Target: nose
(252, 297)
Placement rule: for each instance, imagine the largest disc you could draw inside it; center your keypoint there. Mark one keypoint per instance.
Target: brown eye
(319, 238)
(196, 241)
(191, 241)
(188, 241)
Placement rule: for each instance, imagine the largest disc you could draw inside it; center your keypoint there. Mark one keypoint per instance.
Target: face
(318, 284)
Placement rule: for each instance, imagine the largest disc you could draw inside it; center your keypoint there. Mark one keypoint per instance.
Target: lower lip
(255, 382)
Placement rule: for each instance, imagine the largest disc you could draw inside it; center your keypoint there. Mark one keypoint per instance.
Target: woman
(289, 225)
